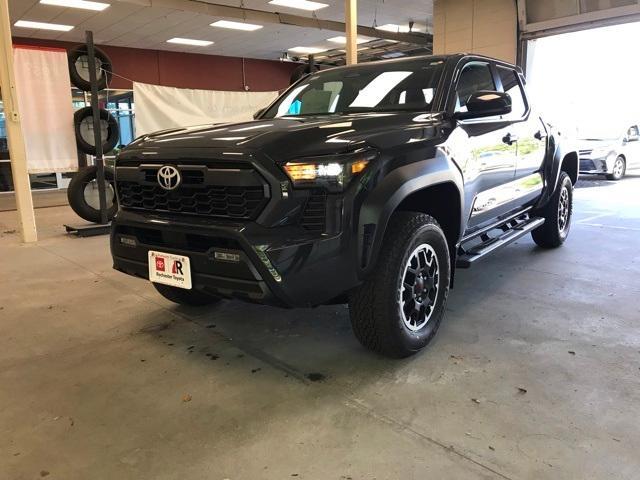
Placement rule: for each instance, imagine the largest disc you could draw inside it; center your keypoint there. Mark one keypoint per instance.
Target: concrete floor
(101, 378)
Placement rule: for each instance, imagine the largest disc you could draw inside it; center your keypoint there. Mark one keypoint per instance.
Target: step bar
(511, 230)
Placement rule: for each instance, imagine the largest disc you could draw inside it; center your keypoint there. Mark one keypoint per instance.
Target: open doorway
(586, 84)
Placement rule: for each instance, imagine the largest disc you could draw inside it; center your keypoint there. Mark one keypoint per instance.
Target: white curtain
(46, 111)
(159, 108)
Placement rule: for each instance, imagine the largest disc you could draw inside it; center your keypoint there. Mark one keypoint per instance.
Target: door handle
(539, 135)
(510, 139)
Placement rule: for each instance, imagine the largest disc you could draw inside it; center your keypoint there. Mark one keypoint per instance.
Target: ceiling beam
(261, 16)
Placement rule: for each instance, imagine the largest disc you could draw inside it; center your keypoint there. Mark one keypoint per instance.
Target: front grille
(314, 217)
(207, 188)
(213, 200)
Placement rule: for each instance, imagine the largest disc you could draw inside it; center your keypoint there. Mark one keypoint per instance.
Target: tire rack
(104, 227)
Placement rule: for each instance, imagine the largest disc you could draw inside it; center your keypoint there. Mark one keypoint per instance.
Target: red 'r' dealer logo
(160, 264)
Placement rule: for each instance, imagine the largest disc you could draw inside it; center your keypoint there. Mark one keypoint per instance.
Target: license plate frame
(170, 269)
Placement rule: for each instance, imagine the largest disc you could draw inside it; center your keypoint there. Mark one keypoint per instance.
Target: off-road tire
(375, 307)
(550, 234)
(192, 298)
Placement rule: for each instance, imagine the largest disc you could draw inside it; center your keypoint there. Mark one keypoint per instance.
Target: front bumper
(284, 266)
(594, 165)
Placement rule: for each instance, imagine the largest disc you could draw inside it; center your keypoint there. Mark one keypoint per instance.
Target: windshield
(408, 85)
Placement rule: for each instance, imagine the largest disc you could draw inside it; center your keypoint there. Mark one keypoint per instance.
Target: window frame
(500, 86)
(451, 109)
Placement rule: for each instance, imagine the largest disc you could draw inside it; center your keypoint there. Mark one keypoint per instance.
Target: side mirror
(258, 113)
(486, 103)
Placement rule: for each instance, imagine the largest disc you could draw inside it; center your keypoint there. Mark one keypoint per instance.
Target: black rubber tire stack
(76, 194)
(76, 55)
(86, 145)
(76, 191)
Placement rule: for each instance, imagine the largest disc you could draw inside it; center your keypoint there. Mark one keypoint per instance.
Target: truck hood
(290, 137)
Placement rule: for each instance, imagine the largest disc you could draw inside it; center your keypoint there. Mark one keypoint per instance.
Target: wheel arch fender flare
(559, 155)
(387, 196)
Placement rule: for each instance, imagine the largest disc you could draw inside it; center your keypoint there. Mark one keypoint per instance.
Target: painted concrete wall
(487, 27)
(185, 70)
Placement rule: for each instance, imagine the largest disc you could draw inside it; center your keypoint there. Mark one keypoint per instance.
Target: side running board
(477, 248)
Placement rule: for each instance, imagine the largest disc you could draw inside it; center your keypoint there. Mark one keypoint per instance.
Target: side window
(511, 85)
(474, 77)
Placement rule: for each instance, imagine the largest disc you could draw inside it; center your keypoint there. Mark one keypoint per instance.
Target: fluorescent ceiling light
(392, 27)
(43, 26)
(247, 27)
(300, 4)
(189, 41)
(307, 50)
(87, 5)
(343, 40)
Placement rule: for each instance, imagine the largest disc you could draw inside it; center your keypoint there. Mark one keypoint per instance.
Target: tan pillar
(351, 24)
(21, 183)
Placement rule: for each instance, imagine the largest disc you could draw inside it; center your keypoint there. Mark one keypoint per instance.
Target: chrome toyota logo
(169, 177)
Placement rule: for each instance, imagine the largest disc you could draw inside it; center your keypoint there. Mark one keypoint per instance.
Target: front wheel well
(570, 165)
(442, 202)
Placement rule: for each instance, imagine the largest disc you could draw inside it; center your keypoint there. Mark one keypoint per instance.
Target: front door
(483, 149)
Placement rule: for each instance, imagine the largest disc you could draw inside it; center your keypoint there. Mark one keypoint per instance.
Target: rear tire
(398, 309)
(619, 169)
(192, 298)
(557, 214)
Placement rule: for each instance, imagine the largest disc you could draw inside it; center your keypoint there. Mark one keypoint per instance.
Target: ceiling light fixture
(189, 41)
(84, 4)
(43, 26)
(299, 4)
(247, 27)
(343, 40)
(307, 50)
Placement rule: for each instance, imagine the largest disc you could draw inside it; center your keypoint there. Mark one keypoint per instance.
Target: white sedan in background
(610, 156)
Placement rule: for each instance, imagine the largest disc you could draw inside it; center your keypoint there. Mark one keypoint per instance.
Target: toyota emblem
(169, 177)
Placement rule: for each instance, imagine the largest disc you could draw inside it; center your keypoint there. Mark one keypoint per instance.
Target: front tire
(398, 309)
(619, 169)
(557, 214)
(192, 298)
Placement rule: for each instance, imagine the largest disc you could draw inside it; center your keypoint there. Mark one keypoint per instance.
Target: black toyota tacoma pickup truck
(365, 185)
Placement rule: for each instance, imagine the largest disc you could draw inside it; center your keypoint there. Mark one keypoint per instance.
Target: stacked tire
(82, 190)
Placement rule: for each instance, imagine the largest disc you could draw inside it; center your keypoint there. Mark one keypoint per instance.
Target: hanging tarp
(46, 111)
(159, 108)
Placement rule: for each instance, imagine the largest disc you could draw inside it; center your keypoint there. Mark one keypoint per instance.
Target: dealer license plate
(170, 269)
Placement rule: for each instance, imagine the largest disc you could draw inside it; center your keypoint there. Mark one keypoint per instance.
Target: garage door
(538, 18)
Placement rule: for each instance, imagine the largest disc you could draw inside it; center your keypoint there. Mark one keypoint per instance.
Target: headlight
(334, 173)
